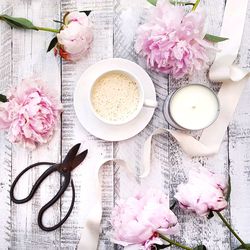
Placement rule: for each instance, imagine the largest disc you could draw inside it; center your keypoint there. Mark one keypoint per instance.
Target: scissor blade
(79, 159)
(68, 160)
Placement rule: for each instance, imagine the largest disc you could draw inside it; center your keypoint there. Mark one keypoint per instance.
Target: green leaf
(87, 12)
(210, 215)
(158, 247)
(18, 22)
(247, 246)
(153, 2)
(52, 44)
(174, 2)
(229, 188)
(57, 21)
(200, 247)
(173, 204)
(214, 39)
(3, 98)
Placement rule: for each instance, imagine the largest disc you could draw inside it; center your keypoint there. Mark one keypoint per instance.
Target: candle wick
(193, 107)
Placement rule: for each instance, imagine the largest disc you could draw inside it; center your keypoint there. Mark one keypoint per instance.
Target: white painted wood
(30, 59)
(72, 132)
(169, 164)
(23, 53)
(5, 146)
(195, 229)
(239, 151)
(167, 154)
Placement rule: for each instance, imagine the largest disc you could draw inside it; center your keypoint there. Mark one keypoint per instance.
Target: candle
(192, 107)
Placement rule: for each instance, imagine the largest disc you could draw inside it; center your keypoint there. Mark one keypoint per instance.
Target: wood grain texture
(5, 145)
(115, 23)
(169, 164)
(30, 59)
(239, 150)
(195, 230)
(102, 48)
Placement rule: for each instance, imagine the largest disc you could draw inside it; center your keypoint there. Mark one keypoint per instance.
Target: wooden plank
(128, 15)
(72, 131)
(30, 59)
(194, 229)
(5, 145)
(239, 155)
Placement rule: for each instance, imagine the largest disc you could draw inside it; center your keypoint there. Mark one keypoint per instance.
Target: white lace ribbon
(234, 79)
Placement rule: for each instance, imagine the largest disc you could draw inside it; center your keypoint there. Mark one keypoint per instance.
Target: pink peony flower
(137, 221)
(204, 192)
(31, 113)
(75, 36)
(172, 41)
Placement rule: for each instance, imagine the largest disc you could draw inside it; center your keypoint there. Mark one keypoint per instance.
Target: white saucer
(82, 107)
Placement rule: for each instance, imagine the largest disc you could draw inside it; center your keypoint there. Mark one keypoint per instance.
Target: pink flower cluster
(172, 41)
(137, 220)
(31, 113)
(140, 221)
(75, 36)
(204, 192)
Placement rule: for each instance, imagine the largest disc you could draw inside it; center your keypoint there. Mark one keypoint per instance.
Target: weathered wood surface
(115, 22)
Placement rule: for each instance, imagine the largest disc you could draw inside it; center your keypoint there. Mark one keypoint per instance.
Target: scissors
(71, 161)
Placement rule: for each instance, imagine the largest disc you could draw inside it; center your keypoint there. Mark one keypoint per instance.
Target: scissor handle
(46, 173)
(53, 200)
(65, 184)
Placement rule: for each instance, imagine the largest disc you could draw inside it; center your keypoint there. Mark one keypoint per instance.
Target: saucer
(83, 110)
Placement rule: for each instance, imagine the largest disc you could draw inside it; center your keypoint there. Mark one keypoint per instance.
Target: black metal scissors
(71, 161)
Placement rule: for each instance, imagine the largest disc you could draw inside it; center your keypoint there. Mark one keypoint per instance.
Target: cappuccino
(115, 96)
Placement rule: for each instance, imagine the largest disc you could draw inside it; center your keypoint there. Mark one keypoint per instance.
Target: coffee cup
(117, 97)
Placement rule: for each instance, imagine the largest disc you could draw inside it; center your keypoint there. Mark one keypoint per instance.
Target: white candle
(193, 107)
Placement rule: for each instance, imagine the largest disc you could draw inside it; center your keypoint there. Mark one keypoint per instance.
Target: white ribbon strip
(92, 194)
(234, 80)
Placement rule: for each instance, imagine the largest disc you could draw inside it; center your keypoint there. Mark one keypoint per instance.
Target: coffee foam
(115, 96)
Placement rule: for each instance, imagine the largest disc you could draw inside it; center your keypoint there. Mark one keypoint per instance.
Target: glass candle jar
(192, 107)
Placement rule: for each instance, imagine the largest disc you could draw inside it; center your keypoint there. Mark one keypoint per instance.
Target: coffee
(115, 96)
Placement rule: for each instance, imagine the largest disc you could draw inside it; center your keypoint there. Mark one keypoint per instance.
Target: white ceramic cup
(142, 101)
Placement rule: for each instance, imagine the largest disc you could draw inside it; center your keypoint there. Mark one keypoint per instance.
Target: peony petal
(32, 113)
(135, 220)
(75, 38)
(171, 41)
(202, 193)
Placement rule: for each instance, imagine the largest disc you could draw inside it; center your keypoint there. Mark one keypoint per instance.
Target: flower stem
(172, 242)
(196, 5)
(180, 3)
(231, 229)
(47, 29)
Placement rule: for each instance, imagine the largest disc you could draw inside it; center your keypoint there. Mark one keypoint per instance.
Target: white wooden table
(23, 54)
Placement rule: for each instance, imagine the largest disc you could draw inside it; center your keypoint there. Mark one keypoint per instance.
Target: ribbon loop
(234, 80)
(220, 69)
